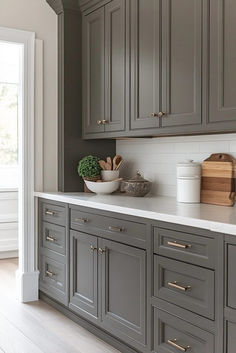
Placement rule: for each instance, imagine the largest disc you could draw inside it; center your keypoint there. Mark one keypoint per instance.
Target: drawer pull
(177, 346)
(81, 220)
(116, 229)
(49, 238)
(177, 245)
(50, 274)
(93, 248)
(50, 213)
(177, 286)
(101, 251)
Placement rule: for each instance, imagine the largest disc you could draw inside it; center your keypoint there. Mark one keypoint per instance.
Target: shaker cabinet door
(83, 275)
(182, 26)
(115, 66)
(223, 62)
(145, 64)
(93, 72)
(123, 291)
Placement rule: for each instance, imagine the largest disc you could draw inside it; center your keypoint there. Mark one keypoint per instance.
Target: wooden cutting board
(218, 180)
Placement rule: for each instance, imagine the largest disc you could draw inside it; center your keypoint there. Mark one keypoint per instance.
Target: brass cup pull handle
(99, 122)
(102, 122)
(116, 229)
(177, 286)
(178, 346)
(81, 220)
(154, 115)
(93, 248)
(161, 114)
(50, 238)
(50, 213)
(101, 251)
(178, 245)
(50, 274)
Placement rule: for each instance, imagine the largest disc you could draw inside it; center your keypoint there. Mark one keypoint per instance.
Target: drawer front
(185, 285)
(53, 279)
(187, 247)
(108, 227)
(231, 278)
(53, 213)
(53, 237)
(172, 335)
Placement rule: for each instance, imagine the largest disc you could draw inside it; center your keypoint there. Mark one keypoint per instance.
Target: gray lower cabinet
(230, 342)
(124, 291)
(84, 274)
(173, 335)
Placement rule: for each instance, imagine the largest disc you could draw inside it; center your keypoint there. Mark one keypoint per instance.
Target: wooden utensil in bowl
(102, 164)
(116, 161)
(109, 163)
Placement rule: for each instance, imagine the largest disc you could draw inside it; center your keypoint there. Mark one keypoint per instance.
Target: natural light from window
(10, 96)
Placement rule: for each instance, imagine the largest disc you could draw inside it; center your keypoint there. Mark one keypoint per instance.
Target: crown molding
(59, 6)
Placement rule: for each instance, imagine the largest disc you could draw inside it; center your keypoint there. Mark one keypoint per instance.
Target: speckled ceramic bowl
(137, 186)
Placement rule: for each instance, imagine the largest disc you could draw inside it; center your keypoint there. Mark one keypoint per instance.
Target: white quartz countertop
(215, 218)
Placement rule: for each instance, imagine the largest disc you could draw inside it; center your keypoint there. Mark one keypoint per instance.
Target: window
(10, 96)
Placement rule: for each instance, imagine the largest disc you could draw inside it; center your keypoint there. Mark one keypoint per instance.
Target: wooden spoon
(102, 164)
(109, 163)
(119, 165)
(116, 161)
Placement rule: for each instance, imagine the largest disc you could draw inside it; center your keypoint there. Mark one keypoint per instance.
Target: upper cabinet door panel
(181, 61)
(115, 65)
(145, 63)
(93, 71)
(222, 61)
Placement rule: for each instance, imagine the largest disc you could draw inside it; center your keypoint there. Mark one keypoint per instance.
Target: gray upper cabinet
(123, 291)
(222, 62)
(181, 61)
(115, 66)
(145, 64)
(93, 72)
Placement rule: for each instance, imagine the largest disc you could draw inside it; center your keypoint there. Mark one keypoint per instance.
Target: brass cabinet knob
(93, 248)
(154, 115)
(102, 122)
(161, 114)
(101, 251)
(99, 122)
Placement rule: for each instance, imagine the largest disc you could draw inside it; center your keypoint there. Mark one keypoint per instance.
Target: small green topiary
(89, 167)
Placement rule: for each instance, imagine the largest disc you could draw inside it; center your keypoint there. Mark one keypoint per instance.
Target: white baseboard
(28, 286)
(8, 254)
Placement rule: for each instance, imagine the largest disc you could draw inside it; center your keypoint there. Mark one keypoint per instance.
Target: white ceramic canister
(188, 168)
(110, 175)
(188, 189)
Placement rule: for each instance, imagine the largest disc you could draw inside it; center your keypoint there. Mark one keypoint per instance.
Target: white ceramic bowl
(109, 175)
(106, 187)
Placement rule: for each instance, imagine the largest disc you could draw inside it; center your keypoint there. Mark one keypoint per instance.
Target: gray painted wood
(181, 61)
(222, 61)
(123, 291)
(84, 275)
(116, 97)
(145, 63)
(168, 327)
(53, 237)
(199, 298)
(230, 333)
(93, 71)
(53, 213)
(199, 251)
(231, 279)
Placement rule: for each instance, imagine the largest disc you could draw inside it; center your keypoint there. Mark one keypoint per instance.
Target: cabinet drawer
(53, 213)
(53, 279)
(172, 335)
(185, 285)
(53, 237)
(231, 278)
(122, 230)
(187, 247)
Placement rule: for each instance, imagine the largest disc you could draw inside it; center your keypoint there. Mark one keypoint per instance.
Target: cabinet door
(83, 275)
(231, 278)
(230, 334)
(115, 66)
(93, 71)
(145, 63)
(181, 62)
(222, 61)
(123, 291)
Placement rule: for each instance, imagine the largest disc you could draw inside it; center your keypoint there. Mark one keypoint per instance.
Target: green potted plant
(89, 169)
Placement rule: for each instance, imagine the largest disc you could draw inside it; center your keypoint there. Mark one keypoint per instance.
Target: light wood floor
(37, 327)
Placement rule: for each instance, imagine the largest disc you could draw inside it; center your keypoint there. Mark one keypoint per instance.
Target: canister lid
(188, 163)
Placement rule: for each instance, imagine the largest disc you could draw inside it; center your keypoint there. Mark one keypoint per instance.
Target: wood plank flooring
(37, 327)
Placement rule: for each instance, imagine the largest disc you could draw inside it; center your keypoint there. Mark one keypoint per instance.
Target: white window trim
(27, 274)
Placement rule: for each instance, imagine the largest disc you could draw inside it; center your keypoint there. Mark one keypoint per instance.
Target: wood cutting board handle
(220, 157)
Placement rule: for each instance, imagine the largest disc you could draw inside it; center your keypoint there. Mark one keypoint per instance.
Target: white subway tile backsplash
(156, 158)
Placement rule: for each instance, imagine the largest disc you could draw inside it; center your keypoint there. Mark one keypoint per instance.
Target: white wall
(38, 17)
(156, 158)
